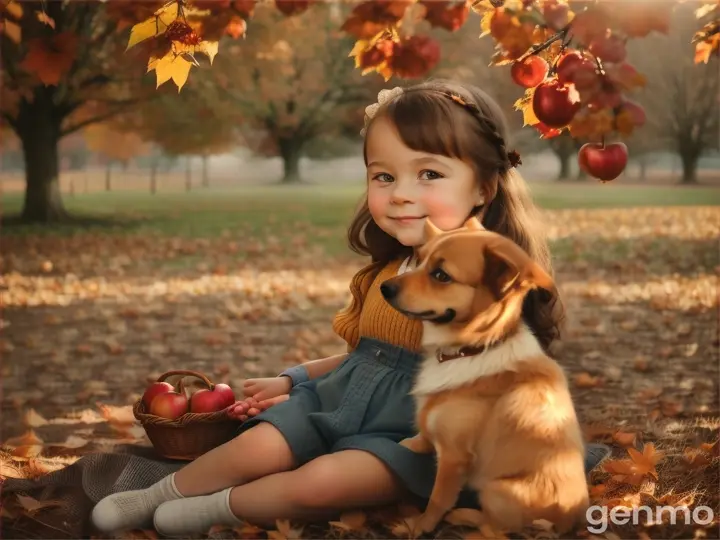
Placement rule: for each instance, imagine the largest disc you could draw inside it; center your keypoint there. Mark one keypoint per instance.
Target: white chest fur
(437, 376)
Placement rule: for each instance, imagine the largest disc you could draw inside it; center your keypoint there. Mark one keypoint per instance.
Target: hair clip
(384, 96)
(514, 158)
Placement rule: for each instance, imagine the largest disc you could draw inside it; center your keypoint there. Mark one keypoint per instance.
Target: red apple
(610, 48)
(556, 14)
(567, 65)
(530, 72)
(554, 104)
(155, 389)
(226, 391)
(605, 162)
(205, 400)
(170, 405)
(636, 112)
(585, 75)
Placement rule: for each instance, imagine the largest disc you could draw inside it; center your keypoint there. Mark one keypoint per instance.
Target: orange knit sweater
(369, 315)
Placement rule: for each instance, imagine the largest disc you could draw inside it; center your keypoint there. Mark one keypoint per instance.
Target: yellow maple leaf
(170, 66)
(157, 24)
(12, 31)
(485, 23)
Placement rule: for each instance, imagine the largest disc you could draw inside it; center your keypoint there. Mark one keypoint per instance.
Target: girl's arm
(321, 366)
(312, 369)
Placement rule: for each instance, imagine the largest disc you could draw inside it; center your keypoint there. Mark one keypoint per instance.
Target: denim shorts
(363, 404)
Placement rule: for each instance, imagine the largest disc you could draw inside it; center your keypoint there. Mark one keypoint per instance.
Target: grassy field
(210, 212)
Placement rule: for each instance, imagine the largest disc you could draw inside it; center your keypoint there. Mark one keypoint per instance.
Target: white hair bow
(384, 96)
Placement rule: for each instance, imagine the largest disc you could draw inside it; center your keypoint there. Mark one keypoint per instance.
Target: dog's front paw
(427, 522)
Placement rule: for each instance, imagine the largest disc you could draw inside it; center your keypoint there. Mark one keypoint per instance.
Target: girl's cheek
(376, 202)
(447, 214)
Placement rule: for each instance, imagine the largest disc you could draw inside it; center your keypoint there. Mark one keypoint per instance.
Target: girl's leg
(259, 451)
(319, 489)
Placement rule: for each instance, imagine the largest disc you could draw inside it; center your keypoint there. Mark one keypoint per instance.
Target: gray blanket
(78, 487)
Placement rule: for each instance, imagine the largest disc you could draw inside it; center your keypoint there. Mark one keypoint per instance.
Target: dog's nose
(389, 290)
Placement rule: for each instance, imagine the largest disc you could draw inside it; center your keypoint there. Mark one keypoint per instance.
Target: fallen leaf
(625, 438)
(585, 380)
(351, 521)
(33, 505)
(33, 419)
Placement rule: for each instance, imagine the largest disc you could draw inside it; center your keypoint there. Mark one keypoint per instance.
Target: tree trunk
(153, 176)
(188, 174)
(689, 168)
(108, 176)
(563, 148)
(205, 179)
(564, 167)
(39, 132)
(290, 151)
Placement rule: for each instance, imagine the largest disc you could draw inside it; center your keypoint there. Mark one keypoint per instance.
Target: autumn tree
(114, 145)
(63, 69)
(681, 99)
(289, 82)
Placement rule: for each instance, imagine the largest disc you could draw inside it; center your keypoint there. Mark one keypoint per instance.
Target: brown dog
(492, 405)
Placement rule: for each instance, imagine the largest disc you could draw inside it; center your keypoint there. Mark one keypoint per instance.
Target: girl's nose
(402, 193)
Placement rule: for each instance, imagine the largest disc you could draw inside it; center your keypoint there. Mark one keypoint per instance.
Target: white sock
(195, 514)
(133, 509)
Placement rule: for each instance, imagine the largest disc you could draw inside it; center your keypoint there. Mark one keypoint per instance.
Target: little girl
(435, 150)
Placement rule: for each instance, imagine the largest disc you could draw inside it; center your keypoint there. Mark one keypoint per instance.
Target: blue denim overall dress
(364, 404)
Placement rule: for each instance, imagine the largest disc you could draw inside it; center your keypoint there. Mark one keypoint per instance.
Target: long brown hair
(428, 120)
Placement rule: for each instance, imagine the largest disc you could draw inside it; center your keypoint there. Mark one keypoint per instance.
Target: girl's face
(406, 186)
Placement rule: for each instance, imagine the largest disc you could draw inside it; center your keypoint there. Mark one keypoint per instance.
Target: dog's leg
(449, 481)
(418, 444)
(503, 501)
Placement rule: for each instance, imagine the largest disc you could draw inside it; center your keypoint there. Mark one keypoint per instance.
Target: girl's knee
(261, 444)
(317, 488)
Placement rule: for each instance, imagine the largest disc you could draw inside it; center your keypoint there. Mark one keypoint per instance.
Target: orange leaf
(45, 19)
(625, 438)
(705, 49)
(585, 380)
(50, 58)
(351, 521)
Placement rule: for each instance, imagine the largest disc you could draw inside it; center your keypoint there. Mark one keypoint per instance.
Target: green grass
(208, 213)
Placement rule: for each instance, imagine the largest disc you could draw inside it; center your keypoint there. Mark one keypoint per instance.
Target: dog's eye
(439, 275)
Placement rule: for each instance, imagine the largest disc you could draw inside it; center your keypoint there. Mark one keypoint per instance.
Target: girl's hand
(238, 410)
(242, 410)
(266, 388)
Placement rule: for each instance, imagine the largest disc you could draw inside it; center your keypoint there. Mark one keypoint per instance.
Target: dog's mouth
(431, 315)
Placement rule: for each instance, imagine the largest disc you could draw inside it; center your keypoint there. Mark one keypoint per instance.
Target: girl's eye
(428, 174)
(439, 275)
(383, 177)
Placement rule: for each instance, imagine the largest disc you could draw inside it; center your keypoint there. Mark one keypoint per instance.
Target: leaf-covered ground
(90, 318)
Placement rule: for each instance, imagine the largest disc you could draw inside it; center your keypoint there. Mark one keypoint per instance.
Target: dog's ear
(431, 231)
(508, 266)
(473, 224)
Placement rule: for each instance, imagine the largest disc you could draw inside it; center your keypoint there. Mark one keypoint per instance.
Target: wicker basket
(191, 435)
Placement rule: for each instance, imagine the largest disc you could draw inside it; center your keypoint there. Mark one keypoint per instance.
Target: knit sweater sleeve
(346, 322)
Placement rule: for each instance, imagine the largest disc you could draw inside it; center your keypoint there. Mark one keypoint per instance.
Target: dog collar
(461, 353)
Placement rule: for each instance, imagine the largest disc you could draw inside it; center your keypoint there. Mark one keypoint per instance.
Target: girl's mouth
(406, 220)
